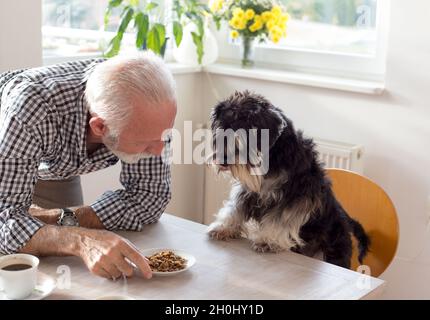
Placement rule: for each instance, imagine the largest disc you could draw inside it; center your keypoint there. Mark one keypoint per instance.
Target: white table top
(223, 270)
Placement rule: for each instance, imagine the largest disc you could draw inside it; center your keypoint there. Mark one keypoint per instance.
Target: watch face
(68, 221)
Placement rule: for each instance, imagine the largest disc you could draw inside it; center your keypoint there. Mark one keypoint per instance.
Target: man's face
(143, 135)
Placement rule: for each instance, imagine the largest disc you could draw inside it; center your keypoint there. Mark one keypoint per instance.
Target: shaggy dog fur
(291, 206)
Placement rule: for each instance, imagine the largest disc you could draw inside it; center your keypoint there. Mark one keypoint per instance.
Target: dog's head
(244, 127)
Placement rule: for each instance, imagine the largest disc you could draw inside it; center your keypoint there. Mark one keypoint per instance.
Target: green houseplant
(193, 11)
(152, 33)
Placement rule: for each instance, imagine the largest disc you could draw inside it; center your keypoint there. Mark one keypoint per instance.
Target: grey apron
(51, 194)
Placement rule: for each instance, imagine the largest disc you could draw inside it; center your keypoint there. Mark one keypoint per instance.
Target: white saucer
(191, 260)
(44, 287)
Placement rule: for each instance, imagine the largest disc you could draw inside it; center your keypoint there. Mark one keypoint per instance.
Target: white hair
(114, 86)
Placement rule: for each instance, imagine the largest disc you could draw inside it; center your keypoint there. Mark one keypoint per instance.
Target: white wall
(20, 34)
(394, 128)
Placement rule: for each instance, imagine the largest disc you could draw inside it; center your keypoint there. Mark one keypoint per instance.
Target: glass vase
(247, 51)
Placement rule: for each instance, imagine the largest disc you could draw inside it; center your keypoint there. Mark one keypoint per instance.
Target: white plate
(44, 287)
(190, 260)
(115, 298)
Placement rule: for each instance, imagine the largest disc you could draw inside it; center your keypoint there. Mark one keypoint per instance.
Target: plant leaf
(177, 32)
(112, 4)
(114, 46)
(115, 43)
(189, 15)
(205, 7)
(198, 41)
(178, 9)
(153, 42)
(141, 23)
(151, 6)
(217, 23)
(127, 15)
(200, 25)
(156, 38)
(161, 34)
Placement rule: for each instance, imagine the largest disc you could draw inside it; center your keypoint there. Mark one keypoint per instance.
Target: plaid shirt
(43, 123)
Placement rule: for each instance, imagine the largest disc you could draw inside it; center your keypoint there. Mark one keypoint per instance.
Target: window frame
(357, 66)
(98, 35)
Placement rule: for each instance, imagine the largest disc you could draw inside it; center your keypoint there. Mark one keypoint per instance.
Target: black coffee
(17, 267)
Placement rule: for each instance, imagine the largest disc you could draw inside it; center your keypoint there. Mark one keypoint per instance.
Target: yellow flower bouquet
(250, 20)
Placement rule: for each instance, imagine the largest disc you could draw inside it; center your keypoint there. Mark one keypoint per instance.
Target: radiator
(340, 155)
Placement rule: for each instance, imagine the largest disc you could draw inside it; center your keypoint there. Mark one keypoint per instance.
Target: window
(338, 37)
(345, 26)
(75, 28)
(72, 28)
(344, 38)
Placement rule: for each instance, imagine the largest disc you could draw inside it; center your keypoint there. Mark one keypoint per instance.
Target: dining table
(223, 270)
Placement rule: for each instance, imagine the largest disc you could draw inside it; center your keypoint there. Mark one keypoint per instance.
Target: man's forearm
(87, 218)
(54, 241)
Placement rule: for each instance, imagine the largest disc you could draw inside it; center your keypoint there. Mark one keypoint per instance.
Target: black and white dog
(291, 205)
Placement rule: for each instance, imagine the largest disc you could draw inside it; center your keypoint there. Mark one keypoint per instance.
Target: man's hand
(106, 254)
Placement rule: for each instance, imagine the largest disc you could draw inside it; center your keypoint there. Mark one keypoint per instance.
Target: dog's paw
(223, 233)
(263, 247)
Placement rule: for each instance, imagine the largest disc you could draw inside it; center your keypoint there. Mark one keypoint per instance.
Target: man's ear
(98, 126)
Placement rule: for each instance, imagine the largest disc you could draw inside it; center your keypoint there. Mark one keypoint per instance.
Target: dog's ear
(280, 123)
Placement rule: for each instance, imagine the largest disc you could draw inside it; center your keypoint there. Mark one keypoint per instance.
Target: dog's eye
(222, 160)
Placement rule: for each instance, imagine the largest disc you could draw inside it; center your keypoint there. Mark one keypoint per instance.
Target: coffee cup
(18, 275)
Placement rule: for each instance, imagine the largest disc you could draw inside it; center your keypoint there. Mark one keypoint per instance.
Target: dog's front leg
(268, 236)
(228, 224)
(262, 244)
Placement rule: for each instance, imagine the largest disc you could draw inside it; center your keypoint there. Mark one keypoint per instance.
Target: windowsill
(54, 58)
(175, 68)
(298, 78)
(178, 68)
(266, 74)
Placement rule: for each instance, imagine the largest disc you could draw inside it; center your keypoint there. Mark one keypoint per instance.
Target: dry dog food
(166, 261)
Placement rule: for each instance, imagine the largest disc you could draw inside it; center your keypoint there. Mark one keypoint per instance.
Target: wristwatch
(68, 218)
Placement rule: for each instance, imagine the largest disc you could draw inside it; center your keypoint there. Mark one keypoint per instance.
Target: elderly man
(61, 121)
